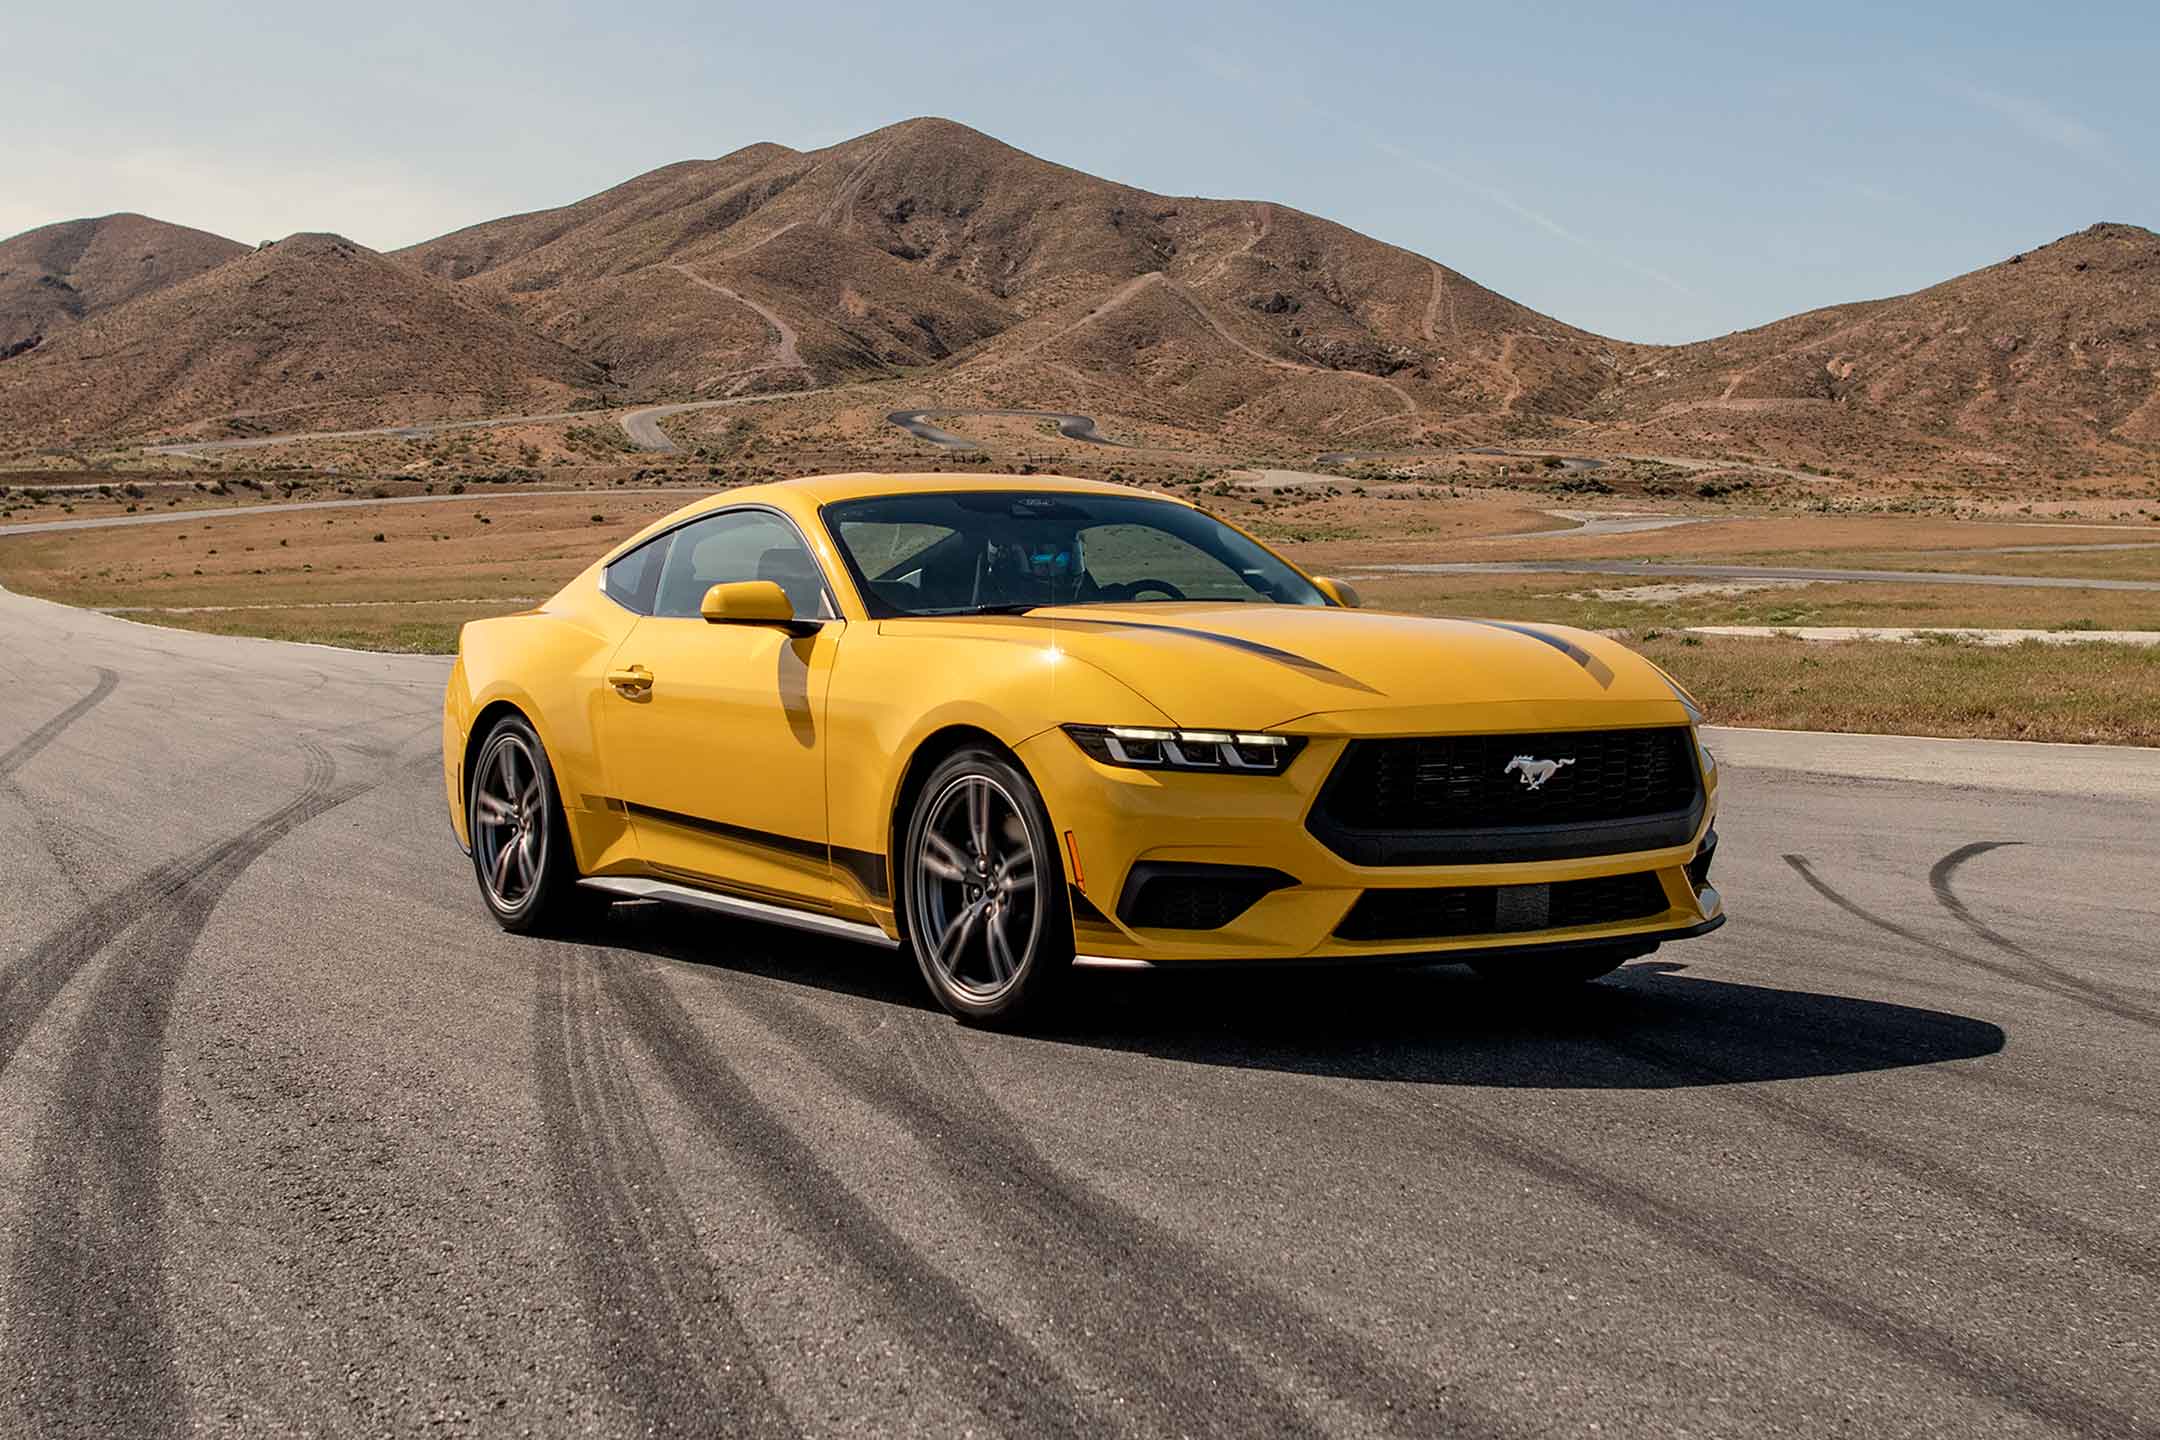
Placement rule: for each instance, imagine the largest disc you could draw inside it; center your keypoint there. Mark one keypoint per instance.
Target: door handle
(635, 681)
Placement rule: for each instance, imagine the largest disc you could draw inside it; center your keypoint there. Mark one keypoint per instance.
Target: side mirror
(753, 602)
(1342, 592)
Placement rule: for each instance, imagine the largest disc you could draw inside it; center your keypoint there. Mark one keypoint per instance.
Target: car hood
(1361, 671)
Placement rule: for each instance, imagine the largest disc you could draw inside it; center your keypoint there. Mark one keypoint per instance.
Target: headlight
(1145, 748)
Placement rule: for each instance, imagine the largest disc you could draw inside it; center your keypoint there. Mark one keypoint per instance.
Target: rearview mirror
(1342, 592)
(752, 602)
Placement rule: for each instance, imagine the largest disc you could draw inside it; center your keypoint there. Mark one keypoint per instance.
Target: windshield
(1003, 551)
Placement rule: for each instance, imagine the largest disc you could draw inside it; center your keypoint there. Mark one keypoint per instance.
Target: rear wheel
(986, 906)
(1558, 971)
(520, 841)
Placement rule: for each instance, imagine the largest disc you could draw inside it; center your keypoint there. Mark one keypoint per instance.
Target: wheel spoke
(979, 819)
(1018, 872)
(501, 868)
(955, 938)
(506, 762)
(1003, 964)
(526, 867)
(493, 809)
(942, 858)
(531, 798)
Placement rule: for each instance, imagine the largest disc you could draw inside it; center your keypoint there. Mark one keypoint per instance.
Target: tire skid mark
(1842, 1047)
(1989, 1374)
(19, 754)
(1141, 1270)
(2081, 1236)
(88, 1345)
(670, 1347)
(30, 987)
(2049, 980)
(1939, 878)
(1013, 1385)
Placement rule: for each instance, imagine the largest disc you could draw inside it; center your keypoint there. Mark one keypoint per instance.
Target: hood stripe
(1598, 669)
(1250, 647)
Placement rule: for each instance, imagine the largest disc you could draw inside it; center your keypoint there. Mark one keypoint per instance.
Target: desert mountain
(311, 332)
(930, 244)
(979, 274)
(55, 275)
(2052, 354)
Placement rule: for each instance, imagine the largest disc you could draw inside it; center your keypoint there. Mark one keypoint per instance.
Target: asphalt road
(413, 431)
(216, 512)
(293, 1140)
(643, 426)
(1072, 427)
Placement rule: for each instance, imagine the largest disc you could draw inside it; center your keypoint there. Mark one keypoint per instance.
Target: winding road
(298, 1142)
(1072, 427)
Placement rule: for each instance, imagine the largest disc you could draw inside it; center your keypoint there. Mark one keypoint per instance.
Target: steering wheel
(1134, 589)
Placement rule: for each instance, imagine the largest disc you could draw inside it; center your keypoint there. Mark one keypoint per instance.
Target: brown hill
(312, 332)
(55, 275)
(928, 243)
(2052, 356)
(984, 275)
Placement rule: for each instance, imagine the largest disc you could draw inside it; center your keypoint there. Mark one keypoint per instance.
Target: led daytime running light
(1143, 747)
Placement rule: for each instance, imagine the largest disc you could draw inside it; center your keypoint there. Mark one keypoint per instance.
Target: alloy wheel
(974, 901)
(509, 821)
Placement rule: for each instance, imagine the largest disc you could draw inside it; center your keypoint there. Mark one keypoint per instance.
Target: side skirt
(637, 888)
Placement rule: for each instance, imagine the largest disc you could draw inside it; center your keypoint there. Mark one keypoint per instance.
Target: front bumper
(1111, 819)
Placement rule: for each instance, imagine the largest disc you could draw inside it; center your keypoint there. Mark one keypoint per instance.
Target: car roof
(812, 491)
(823, 489)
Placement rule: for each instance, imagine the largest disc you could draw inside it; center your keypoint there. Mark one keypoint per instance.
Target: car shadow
(1651, 1025)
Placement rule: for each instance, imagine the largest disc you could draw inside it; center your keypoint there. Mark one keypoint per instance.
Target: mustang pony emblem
(1534, 772)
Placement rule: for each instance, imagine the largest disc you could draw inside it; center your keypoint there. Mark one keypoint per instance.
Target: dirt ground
(406, 576)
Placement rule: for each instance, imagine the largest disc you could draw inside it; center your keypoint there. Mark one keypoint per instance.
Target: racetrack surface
(294, 1140)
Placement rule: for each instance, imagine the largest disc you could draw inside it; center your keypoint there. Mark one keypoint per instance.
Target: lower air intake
(1193, 897)
(1457, 911)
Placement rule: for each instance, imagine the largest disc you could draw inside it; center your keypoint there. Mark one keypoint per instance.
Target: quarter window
(629, 582)
(734, 546)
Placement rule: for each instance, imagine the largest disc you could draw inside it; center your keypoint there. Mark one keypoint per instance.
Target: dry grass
(325, 576)
(2087, 562)
(419, 629)
(321, 575)
(1575, 600)
(2096, 694)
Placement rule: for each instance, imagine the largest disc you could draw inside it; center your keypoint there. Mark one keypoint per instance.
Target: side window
(738, 545)
(630, 581)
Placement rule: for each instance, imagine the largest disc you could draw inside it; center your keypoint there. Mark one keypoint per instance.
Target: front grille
(1161, 896)
(1457, 911)
(1453, 799)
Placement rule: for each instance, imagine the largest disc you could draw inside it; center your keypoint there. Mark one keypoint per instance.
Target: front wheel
(986, 906)
(520, 841)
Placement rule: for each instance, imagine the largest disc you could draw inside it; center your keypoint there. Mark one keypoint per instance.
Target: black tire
(1561, 970)
(984, 902)
(536, 891)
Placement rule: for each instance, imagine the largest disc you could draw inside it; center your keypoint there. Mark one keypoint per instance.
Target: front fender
(893, 692)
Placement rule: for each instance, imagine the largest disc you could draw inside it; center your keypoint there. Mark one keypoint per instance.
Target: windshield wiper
(1020, 607)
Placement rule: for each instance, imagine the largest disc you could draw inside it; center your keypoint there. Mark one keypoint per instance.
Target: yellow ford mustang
(1012, 723)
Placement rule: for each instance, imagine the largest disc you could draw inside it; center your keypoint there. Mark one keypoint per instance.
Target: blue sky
(1653, 172)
